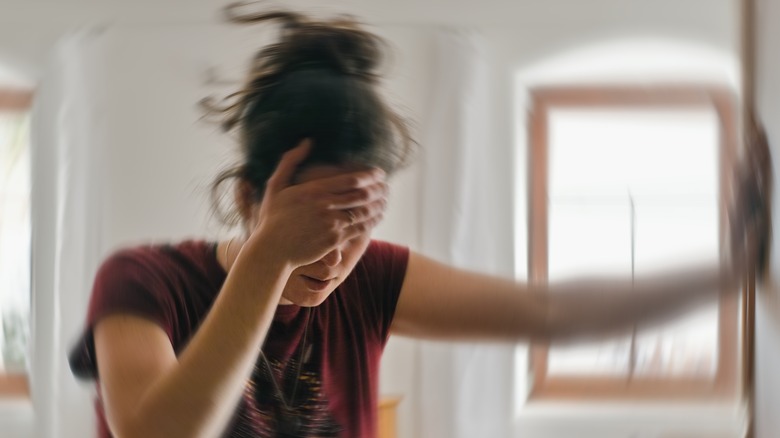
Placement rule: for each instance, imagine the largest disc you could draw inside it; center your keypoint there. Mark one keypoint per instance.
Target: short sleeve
(126, 283)
(385, 264)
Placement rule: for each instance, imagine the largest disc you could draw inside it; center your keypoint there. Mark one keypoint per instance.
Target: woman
(280, 332)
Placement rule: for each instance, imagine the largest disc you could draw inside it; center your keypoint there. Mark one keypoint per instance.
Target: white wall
(767, 304)
(154, 66)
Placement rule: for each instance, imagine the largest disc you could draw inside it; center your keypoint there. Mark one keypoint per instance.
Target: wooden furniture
(388, 416)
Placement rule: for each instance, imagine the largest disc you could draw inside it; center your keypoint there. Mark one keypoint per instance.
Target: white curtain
(467, 206)
(65, 157)
(118, 159)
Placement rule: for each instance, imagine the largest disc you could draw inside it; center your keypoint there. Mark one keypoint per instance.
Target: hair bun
(318, 80)
(339, 44)
(349, 50)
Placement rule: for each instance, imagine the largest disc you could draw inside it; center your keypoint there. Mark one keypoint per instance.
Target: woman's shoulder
(383, 260)
(190, 247)
(373, 288)
(161, 255)
(165, 282)
(382, 249)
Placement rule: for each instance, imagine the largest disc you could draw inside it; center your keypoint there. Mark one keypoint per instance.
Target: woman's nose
(332, 258)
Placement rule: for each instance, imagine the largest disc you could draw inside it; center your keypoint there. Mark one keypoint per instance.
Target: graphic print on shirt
(308, 415)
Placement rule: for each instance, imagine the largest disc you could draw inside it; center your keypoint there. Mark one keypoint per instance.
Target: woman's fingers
(364, 213)
(760, 166)
(358, 197)
(367, 224)
(749, 215)
(347, 182)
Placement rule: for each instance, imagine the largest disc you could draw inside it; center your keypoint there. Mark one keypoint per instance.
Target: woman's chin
(307, 297)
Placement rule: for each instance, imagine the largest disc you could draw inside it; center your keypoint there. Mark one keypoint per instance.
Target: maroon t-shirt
(334, 377)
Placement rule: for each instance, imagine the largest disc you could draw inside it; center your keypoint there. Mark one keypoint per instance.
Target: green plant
(15, 333)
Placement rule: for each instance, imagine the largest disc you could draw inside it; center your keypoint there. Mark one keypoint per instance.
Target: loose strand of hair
(288, 18)
(229, 216)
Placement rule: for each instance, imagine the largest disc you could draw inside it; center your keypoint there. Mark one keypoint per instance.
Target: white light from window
(14, 241)
(665, 161)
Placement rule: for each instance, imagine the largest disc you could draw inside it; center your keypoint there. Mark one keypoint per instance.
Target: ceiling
(28, 28)
(444, 12)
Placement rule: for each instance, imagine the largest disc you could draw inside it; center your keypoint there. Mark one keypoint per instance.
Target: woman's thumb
(288, 165)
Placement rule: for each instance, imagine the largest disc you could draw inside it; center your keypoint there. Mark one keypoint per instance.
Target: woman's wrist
(258, 255)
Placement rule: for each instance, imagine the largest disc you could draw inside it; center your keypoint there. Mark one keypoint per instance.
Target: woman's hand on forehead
(351, 190)
(328, 207)
(341, 178)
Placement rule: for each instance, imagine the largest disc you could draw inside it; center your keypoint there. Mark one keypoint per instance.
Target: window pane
(664, 152)
(14, 241)
(670, 234)
(665, 163)
(576, 228)
(687, 347)
(589, 237)
(609, 358)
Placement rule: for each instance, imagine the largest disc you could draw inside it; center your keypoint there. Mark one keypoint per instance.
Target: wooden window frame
(15, 100)
(545, 387)
(15, 385)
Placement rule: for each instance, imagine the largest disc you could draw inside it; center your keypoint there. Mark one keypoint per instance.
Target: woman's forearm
(593, 307)
(198, 396)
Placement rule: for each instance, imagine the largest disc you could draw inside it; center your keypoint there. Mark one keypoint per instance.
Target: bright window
(14, 241)
(627, 183)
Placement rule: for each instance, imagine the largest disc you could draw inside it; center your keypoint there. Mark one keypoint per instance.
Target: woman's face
(311, 284)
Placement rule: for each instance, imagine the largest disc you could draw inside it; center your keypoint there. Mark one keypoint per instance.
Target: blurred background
(559, 138)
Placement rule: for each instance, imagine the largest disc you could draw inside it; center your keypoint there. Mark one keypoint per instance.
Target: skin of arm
(148, 392)
(441, 302)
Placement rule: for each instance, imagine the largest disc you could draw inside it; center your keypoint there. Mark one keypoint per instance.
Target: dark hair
(318, 81)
